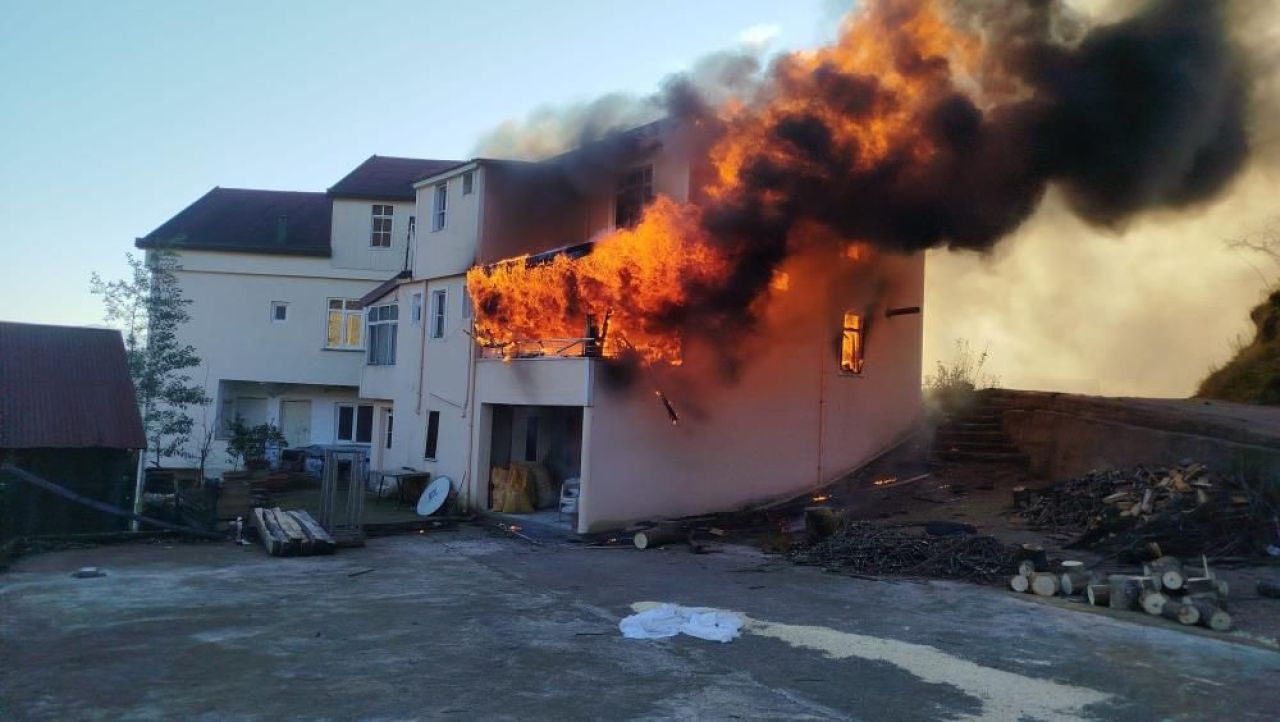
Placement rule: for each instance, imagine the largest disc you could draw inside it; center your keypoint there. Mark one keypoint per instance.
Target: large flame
(926, 123)
(638, 278)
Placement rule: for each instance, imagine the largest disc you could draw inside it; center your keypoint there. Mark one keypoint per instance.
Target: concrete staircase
(974, 433)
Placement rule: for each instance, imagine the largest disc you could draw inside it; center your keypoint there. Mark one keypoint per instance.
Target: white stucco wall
(452, 249)
(350, 234)
(790, 422)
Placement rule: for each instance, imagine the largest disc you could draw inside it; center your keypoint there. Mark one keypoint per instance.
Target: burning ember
(927, 123)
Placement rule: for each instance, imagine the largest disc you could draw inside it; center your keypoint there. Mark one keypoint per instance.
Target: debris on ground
(668, 620)
(88, 573)
(864, 548)
(287, 533)
(1166, 588)
(1149, 511)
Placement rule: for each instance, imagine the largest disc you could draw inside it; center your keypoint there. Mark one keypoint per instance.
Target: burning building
(724, 307)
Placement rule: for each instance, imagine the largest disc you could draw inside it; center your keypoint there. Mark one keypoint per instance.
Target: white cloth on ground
(668, 620)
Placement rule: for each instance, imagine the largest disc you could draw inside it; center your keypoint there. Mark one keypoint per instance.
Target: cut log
(1152, 602)
(1125, 591)
(1179, 612)
(1268, 589)
(1099, 595)
(1031, 558)
(1211, 615)
(1168, 571)
(1074, 581)
(659, 535)
(1045, 584)
(1020, 584)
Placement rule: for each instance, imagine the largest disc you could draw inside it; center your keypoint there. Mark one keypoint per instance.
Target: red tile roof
(66, 387)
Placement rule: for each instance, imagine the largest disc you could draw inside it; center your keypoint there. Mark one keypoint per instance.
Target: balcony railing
(543, 348)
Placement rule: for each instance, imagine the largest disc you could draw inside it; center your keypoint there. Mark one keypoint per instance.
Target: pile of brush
(1181, 510)
(1164, 589)
(864, 548)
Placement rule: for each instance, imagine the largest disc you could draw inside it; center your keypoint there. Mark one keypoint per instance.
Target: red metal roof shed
(66, 387)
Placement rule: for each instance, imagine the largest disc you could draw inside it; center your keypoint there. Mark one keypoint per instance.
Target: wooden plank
(321, 541)
(273, 544)
(297, 537)
(287, 545)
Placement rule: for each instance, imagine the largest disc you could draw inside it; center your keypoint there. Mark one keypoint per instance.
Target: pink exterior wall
(789, 422)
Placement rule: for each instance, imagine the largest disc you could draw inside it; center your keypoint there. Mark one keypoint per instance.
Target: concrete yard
(464, 625)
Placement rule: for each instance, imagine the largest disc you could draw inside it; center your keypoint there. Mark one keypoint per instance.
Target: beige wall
(350, 235)
(452, 249)
(790, 422)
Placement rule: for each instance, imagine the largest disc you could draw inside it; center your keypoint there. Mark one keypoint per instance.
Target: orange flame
(637, 277)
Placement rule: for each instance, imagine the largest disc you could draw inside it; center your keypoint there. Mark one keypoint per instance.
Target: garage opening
(535, 463)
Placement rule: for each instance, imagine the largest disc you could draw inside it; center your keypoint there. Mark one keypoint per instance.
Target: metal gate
(342, 496)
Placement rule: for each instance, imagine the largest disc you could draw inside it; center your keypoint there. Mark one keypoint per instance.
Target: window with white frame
(415, 308)
(345, 324)
(391, 421)
(380, 230)
(468, 182)
(382, 334)
(279, 312)
(438, 305)
(355, 423)
(634, 192)
(466, 302)
(441, 206)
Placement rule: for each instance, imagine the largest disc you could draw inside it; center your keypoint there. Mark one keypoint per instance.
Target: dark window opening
(433, 433)
(531, 439)
(634, 192)
(346, 417)
(364, 424)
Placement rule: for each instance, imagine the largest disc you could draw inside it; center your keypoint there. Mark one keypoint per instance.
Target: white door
(295, 422)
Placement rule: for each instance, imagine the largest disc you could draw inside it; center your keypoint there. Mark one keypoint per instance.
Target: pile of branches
(1149, 511)
(863, 548)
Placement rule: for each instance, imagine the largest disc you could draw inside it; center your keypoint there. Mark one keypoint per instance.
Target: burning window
(851, 344)
(635, 191)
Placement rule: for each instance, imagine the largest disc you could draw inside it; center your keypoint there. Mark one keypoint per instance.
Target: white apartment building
(275, 279)
(799, 415)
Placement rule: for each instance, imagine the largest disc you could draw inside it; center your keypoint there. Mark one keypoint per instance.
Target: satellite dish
(434, 495)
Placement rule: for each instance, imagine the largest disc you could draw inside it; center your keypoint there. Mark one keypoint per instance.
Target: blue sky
(115, 115)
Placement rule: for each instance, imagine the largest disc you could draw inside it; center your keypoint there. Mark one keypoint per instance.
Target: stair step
(974, 446)
(1012, 457)
(971, 428)
(950, 435)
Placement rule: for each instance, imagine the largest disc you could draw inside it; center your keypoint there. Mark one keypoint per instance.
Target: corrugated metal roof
(66, 387)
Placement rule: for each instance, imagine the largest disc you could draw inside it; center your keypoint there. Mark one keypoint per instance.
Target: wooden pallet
(291, 533)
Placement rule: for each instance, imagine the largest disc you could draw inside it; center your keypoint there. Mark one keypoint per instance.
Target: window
(433, 433)
(355, 423)
(438, 298)
(345, 323)
(468, 182)
(380, 233)
(634, 192)
(531, 439)
(466, 302)
(415, 308)
(382, 334)
(279, 312)
(391, 422)
(851, 344)
(442, 205)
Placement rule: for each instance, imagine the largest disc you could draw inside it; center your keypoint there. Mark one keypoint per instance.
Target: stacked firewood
(1181, 510)
(1166, 588)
